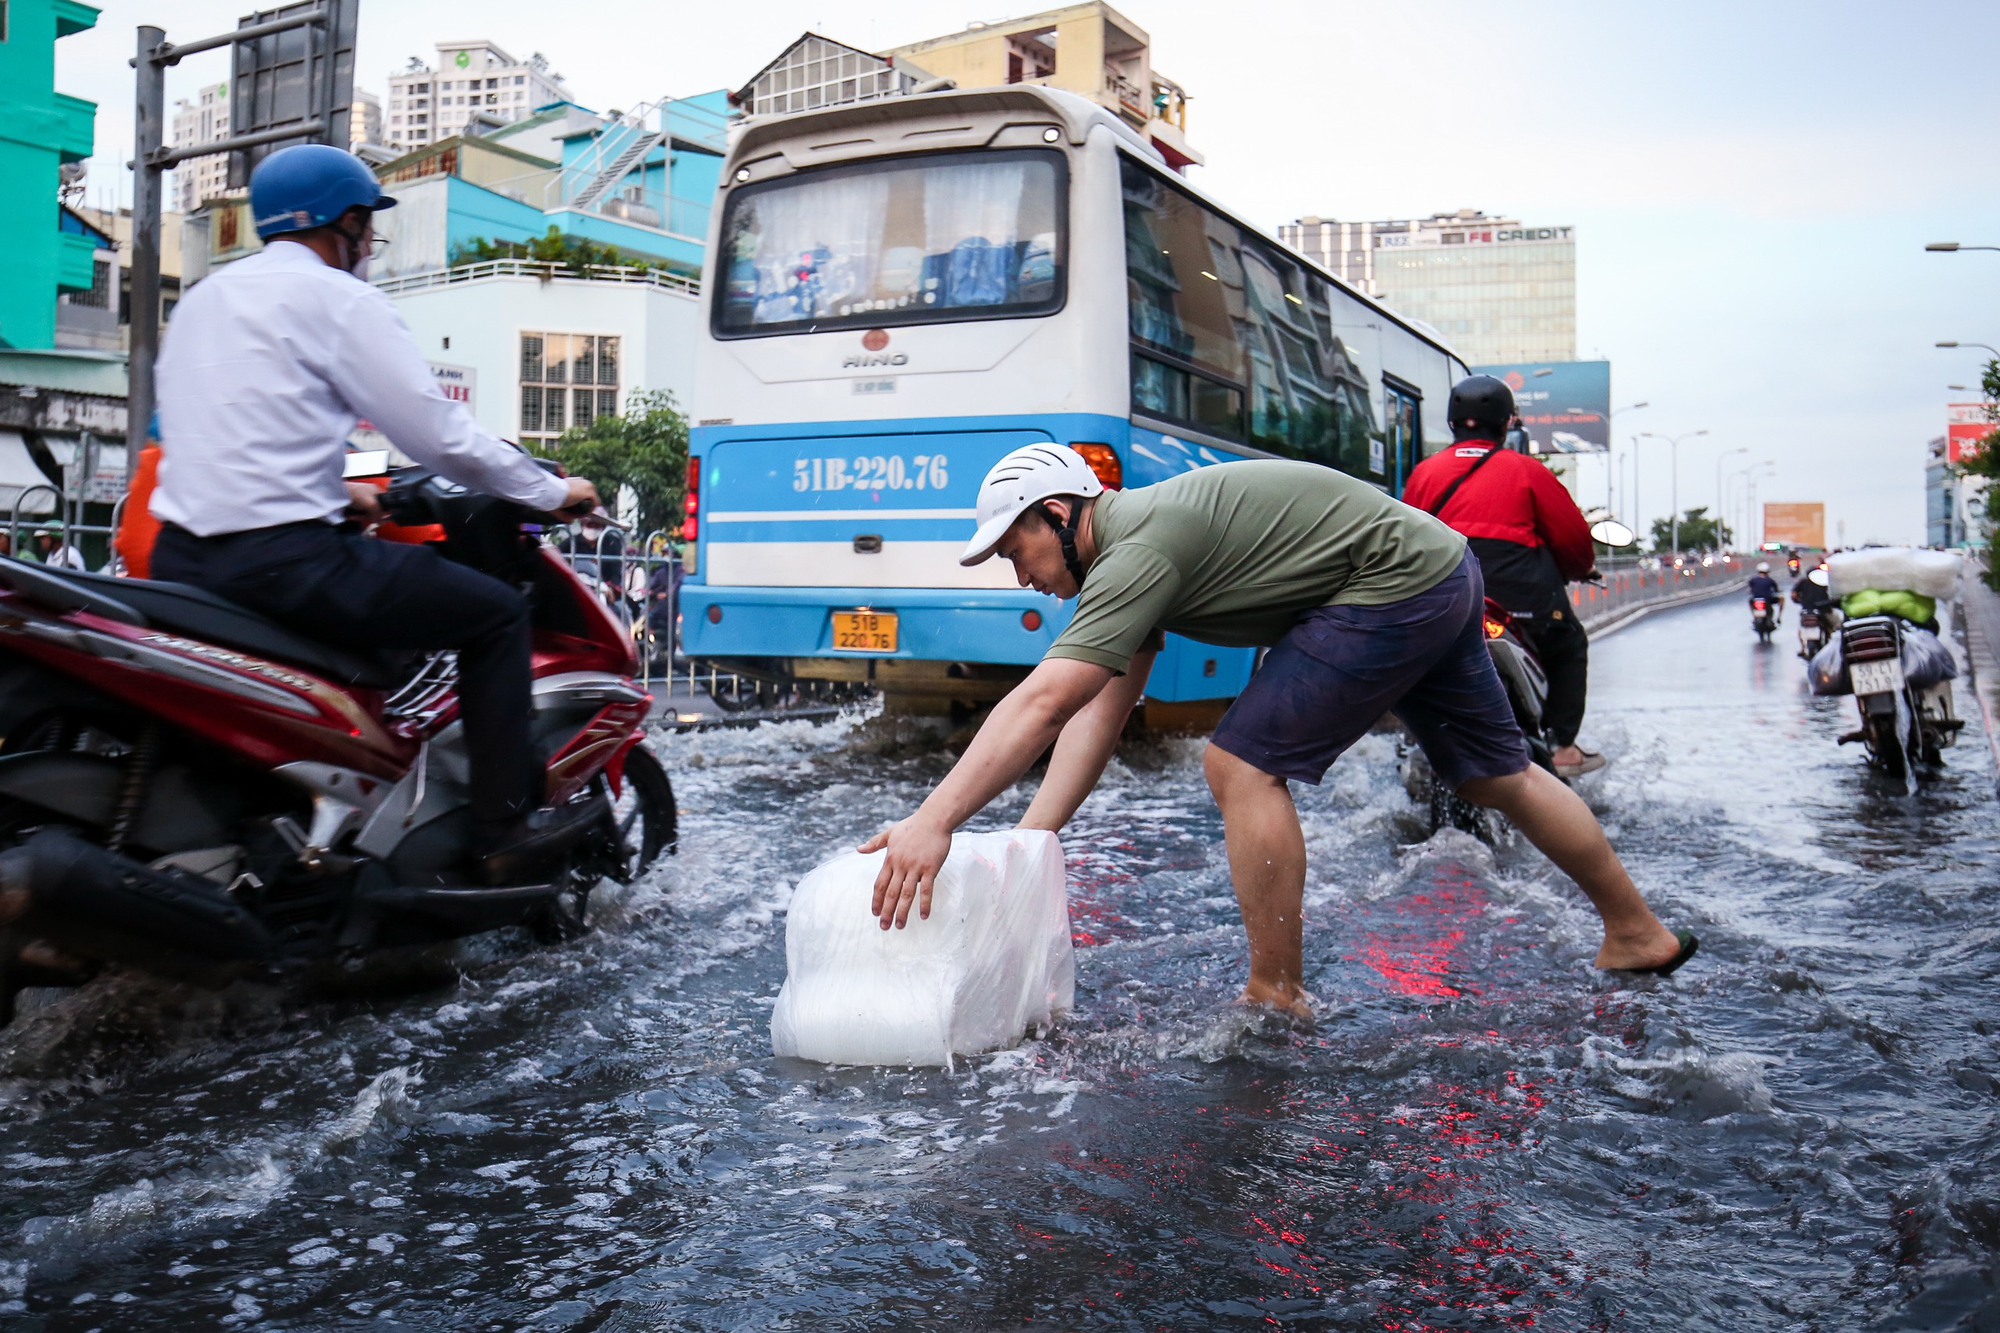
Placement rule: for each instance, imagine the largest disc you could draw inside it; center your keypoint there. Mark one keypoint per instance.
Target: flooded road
(1798, 1131)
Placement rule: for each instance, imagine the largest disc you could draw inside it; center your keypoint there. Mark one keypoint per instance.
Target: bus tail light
(691, 526)
(1103, 460)
(1031, 621)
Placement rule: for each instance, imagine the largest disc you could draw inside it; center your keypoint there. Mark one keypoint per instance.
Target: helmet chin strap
(1066, 534)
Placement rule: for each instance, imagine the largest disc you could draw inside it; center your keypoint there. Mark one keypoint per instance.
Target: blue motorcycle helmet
(310, 185)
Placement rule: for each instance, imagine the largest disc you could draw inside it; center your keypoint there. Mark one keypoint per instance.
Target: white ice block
(1893, 569)
(993, 958)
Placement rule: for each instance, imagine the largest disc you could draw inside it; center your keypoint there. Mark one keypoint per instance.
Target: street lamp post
(1762, 467)
(1674, 445)
(1982, 346)
(1609, 441)
(1953, 247)
(1720, 507)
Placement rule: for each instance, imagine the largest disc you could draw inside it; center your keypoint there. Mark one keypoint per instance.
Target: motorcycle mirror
(1818, 576)
(1610, 532)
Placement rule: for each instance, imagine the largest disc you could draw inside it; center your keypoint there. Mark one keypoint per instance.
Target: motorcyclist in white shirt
(267, 366)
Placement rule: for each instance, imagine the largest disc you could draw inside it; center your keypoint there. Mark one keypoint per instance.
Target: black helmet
(1481, 408)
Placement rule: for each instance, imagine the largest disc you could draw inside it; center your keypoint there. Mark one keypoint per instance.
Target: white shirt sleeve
(383, 376)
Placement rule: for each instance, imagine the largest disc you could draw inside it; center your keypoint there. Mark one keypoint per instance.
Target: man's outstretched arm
(1086, 746)
(1020, 727)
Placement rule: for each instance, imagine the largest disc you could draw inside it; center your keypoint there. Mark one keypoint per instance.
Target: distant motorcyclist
(268, 365)
(1763, 585)
(1811, 594)
(1531, 540)
(597, 549)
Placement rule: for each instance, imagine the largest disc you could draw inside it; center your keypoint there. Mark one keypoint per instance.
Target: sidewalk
(1979, 608)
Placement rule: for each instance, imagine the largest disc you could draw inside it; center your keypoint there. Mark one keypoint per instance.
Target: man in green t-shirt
(1366, 605)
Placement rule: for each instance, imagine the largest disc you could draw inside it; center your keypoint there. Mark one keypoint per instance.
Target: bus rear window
(956, 236)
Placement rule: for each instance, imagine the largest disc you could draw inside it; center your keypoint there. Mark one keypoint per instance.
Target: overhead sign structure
(1969, 425)
(296, 61)
(292, 77)
(1565, 405)
(1796, 525)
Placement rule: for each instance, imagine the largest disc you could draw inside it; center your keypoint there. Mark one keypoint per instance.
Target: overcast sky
(1751, 184)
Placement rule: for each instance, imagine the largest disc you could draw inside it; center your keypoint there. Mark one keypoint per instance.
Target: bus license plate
(1876, 677)
(864, 631)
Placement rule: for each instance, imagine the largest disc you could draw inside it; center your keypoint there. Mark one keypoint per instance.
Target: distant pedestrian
(663, 597)
(54, 551)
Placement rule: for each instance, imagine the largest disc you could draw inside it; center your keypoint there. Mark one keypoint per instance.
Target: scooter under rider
(1763, 585)
(267, 367)
(1531, 540)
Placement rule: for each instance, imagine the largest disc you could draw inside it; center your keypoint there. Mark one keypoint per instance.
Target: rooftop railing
(541, 271)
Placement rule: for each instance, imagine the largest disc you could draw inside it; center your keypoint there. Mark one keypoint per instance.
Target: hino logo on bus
(859, 361)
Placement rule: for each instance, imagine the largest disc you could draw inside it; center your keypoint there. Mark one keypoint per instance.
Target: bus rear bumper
(971, 645)
(932, 624)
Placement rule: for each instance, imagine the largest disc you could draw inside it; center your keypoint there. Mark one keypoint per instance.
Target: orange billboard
(1796, 525)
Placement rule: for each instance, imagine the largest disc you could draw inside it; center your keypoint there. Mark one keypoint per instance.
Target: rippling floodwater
(1799, 1131)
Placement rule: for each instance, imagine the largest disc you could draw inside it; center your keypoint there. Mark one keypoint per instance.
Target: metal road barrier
(1632, 584)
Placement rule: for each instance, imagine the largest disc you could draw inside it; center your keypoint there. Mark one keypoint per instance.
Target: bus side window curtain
(1401, 405)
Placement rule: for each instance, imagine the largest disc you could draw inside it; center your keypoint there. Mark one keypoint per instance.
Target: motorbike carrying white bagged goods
(1932, 574)
(1926, 662)
(993, 958)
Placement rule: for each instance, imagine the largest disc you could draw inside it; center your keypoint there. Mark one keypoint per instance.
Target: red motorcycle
(195, 791)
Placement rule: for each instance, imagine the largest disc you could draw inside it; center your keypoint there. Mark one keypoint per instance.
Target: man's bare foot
(1290, 1001)
(1656, 949)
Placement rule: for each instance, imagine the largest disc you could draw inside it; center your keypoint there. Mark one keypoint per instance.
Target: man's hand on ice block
(917, 850)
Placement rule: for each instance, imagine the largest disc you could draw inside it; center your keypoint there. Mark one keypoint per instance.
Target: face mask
(361, 250)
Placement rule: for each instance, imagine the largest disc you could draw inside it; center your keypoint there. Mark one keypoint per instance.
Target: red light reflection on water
(1416, 962)
(1096, 879)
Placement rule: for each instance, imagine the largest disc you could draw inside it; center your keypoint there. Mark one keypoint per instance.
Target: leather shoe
(529, 848)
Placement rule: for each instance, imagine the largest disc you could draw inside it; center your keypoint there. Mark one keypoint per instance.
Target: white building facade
(535, 351)
(472, 83)
(203, 119)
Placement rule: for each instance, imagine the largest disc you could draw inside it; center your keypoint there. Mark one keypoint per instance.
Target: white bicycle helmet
(1763, 566)
(1021, 480)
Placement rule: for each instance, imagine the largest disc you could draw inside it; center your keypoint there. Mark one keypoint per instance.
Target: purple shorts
(1342, 667)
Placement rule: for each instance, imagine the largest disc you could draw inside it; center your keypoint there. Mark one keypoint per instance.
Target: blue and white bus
(902, 291)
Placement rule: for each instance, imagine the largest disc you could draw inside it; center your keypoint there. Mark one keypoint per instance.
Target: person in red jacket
(1532, 542)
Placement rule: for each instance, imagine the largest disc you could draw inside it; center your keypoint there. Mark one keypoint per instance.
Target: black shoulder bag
(1437, 509)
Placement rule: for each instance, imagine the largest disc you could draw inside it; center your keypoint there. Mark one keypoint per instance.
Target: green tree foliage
(1986, 463)
(579, 255)
(1699, 532)
(646, 450)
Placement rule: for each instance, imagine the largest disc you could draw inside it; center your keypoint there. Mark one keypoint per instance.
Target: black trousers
(1565, 652)
(356, 592)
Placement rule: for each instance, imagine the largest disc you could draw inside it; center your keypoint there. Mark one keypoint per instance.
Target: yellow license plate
(864, 631)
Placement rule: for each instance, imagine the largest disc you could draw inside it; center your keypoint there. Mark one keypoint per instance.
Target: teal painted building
(40, 130)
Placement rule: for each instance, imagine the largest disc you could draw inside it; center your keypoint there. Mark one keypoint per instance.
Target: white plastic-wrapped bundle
(1893, 569)
(993, 958)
